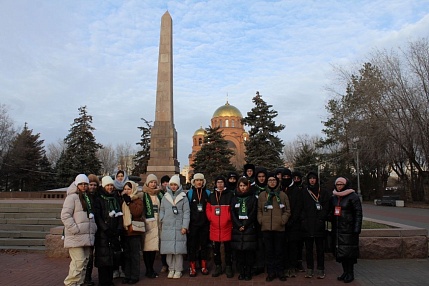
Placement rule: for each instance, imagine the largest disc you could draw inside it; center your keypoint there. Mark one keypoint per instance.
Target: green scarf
(90, 213)
(260, 190)
(114, 208)
(150, 215)
(242, 211)
(270, 197)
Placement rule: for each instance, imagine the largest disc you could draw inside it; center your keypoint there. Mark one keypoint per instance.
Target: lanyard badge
(217, 211)
(337, 211)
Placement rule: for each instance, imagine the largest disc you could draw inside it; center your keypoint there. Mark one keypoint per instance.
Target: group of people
(263, 219)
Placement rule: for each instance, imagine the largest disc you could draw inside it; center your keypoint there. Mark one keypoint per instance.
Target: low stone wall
(402, 241)
(54, 244)
(34, 195)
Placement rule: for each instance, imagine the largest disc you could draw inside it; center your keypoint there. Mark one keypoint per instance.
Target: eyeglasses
(339, 184)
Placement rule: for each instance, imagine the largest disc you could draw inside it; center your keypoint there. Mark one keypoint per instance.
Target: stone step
(28, 209)
(54, 215)
(22, 242)
(36, 204)
(25, 227)
(21, 248)
(24, 224)
(32, 221)
(22, 234)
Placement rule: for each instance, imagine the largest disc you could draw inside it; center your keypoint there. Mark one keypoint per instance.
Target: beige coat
(152, 235)
(79, 230)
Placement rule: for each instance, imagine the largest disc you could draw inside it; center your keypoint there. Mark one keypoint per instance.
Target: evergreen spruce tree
(214, 158)
(47, 175)
(264, 147)
(22, 165)
(142, 157)
(80, 154)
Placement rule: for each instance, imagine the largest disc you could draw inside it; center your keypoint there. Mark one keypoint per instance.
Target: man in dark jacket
(260, 181)
(259, 186)
(313, 218)
(249, 172)
(297, 179)
(231, 181)
(286, 180)
(293, 229)
(198, 236)
(273, 214)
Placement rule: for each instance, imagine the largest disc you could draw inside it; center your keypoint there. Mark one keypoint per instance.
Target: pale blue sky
(58, 55)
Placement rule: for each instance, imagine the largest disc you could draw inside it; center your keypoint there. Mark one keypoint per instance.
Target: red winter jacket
(221, 223)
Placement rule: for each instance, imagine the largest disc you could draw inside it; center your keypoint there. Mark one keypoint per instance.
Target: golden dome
(227, 110)
(200, 131)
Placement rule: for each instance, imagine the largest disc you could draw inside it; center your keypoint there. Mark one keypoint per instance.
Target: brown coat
(276, 218)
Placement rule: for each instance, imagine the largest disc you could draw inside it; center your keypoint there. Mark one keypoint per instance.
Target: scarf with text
(242, 211)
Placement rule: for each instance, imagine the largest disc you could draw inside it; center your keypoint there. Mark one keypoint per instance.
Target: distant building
(228, 118)
(185, 173)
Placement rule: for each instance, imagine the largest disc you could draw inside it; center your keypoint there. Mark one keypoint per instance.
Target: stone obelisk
(163, 142)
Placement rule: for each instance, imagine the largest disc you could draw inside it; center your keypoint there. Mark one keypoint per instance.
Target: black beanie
(165, 178)
(220, 177)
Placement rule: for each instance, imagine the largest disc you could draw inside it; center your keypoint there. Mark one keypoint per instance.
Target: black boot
(248, 273)
(342, 276)
(242, 271)
(229, 272)
(350, 273)
(218, 271)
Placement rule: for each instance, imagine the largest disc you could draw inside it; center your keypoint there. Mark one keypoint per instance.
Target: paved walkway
(417, 217)
(34, 269)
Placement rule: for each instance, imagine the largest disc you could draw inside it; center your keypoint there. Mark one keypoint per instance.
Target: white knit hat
(198, 176)
(175, 180)
(151, 177)
(81, 178)
(106, 180)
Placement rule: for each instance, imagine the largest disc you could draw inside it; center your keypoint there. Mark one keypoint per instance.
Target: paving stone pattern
(35, 269)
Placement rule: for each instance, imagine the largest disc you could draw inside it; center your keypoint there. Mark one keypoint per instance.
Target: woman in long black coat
(346, 214)
(244, 208)
(108, 217)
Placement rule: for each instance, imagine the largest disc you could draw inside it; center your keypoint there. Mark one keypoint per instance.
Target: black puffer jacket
(313, 218)
(247, 239)
(293, 226)
(108, 229)
(347, 226)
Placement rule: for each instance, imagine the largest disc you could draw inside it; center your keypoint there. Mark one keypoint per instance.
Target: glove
(127, 199)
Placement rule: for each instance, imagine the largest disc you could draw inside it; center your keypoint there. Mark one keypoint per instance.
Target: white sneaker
(177, 274)
(170, 274)
(115, 274)
(121, 273)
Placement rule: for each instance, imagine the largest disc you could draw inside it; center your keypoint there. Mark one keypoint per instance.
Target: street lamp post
(356, 140)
